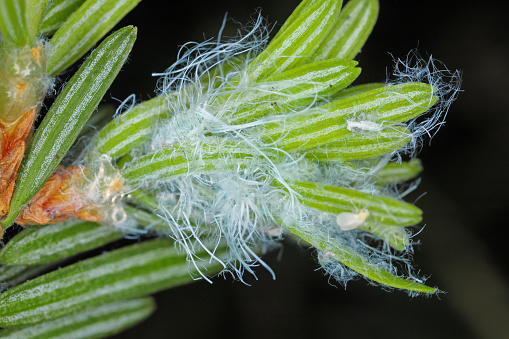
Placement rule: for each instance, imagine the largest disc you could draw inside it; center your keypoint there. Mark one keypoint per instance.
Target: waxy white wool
(244, 204)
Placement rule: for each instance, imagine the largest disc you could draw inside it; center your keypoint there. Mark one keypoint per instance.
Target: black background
(464, 246)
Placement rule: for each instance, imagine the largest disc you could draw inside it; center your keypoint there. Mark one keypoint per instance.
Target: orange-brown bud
(60, 199)
(12, 148)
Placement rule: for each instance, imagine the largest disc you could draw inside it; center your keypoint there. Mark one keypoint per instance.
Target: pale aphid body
(348, 221)
(367, 126)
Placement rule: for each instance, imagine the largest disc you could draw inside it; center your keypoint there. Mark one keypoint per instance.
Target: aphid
(351, 125)
(348, 221)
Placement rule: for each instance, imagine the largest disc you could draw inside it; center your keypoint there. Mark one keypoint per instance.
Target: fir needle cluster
(247, 142)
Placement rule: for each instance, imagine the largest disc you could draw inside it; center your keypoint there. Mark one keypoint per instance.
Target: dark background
(464, 247)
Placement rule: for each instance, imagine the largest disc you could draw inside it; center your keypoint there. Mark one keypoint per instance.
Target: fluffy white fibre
(233, 206)
(244, 205)
(447, 85)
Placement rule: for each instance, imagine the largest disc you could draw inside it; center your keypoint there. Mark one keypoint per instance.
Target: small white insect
(348, 221)
(363, 125)
(275, 232)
